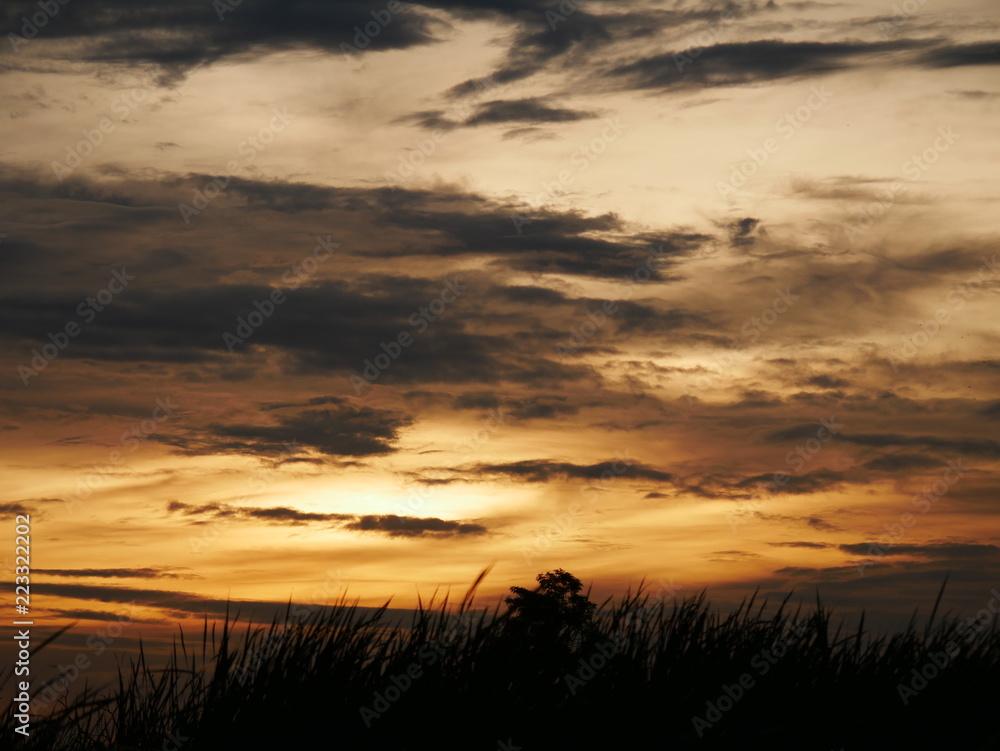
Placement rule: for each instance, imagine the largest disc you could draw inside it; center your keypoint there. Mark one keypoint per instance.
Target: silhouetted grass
(485, 681)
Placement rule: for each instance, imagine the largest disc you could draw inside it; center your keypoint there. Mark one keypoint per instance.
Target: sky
(309, 299)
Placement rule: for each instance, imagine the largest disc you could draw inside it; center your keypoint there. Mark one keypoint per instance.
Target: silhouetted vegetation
(631, 674)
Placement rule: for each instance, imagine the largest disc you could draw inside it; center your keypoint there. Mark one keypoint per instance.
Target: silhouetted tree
(554, 609)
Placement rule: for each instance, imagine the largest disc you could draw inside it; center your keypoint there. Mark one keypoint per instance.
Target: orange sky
(608, 293)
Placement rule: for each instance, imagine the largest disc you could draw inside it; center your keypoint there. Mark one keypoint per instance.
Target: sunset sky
(312, 297)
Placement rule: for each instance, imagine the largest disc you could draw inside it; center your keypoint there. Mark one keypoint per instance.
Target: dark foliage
(639, 675)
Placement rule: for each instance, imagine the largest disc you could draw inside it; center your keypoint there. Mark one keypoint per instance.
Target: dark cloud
(439, 223)
(981, 53)
(524, 111)
(115, 573)
(534, 111)
(99, 615)
(730, 556)
(817, 522)
(185, 34)
(343, 431)
(741, 231)
(992, 411)
(312, 402)
(903, 462)
(828, 382)
(741, 63)
(799, 432)
(277, 514)
(405, 526)
(541, 470)
(180, 604)
(756, 398)
(984, 447)
(390, 525)
(533, 295)
(539, 406)
(942, 550)
(571, 41)
(812, 545)
(810, 482)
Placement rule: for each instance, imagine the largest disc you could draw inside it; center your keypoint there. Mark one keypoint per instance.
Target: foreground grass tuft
(641, 675)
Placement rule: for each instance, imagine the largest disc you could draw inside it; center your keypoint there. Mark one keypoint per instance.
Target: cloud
(992, 411)
(344, 431)
(406, 526)
(390, 525)
(186, 34)
(984, 447)
(539, 406)
(100, 615)
(542, 470)
(903, 462)
(817, 522)
(951, 56)
(180, 604)
(116, 573)
(276, 514)
(531, 111)
(941, 550)
(810, 482)
(798, 432)
(741, 231)
(828, 382)
(524, 111)
(745, 63)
